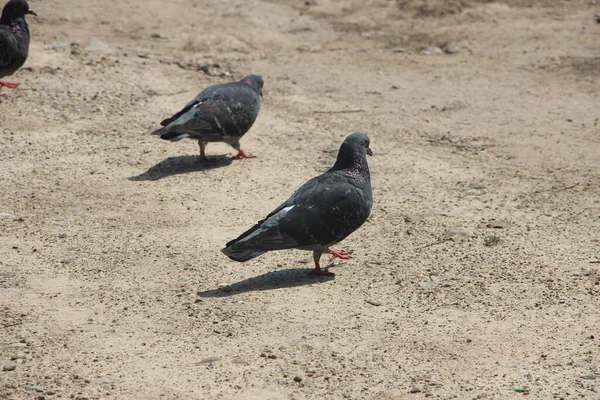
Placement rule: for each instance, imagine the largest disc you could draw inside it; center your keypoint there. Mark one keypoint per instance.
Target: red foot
(10, 85)
(242, 154)
(341, 254)
(320, 272)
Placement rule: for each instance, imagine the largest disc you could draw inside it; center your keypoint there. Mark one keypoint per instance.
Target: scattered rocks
(9, 366)
(432, 50)
(588, 377)
(34, 388)
(471, 192)
(297, 379)
(458, 234)
(208, 360)
(497, 224)
(452, 48)
(66, 261)
(373, 303)
(158, 35)
(410, 218)
(415, 390)
(98, 46)
(64, 45)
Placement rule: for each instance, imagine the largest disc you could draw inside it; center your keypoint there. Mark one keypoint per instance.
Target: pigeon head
(353, 153)
(16, 9)
(255, 82)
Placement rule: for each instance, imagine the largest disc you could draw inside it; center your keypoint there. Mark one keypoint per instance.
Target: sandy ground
(483, 116)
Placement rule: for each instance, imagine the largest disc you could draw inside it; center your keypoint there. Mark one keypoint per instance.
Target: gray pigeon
(14, 39)
(220, 113)
(321, 213)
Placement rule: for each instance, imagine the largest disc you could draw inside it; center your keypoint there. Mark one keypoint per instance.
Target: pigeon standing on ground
(220, 113)
(14, 39)
(321, 213)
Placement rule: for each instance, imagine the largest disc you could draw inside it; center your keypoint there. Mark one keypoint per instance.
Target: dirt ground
(482, 116)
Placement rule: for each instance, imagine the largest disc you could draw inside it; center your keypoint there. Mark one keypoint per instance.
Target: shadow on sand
(269, 281)
(181, 165)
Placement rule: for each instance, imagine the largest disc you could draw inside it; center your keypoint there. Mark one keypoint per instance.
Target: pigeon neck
(353, 161)
(16, 24)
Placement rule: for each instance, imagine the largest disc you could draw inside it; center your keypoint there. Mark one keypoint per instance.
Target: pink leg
(318, 271)
(242, 154)
(202, 154)
(10, 85)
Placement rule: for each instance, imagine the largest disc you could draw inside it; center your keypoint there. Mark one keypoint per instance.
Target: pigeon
(220, 113)
(321, 213)
(14, 39)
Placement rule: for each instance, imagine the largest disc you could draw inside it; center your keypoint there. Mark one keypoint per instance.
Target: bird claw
(10, 85)
(242, 154)
(341, 254)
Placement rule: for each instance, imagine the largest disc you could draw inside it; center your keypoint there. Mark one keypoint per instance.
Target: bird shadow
(271, 280)
(181, 165)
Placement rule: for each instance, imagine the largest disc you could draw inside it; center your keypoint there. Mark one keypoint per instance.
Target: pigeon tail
(166, 134)
(241, 255)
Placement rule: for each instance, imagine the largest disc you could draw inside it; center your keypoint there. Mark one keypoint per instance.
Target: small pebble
(458, 234)
(159, 36)
(410, 218)
(9, 366)
(297, 379)
(432, 50)
(497, 224)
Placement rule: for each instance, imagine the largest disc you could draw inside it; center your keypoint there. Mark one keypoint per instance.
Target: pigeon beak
(31, 12)
(369, 151)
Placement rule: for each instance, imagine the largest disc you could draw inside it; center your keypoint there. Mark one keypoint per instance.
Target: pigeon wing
(8, 47)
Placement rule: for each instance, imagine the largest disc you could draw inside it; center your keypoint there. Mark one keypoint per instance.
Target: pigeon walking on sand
(220, 113)
(321, 213)
(14, 39)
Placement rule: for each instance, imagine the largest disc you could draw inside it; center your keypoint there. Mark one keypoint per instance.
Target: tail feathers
(167, 121)
(241, 255)
(166, 134)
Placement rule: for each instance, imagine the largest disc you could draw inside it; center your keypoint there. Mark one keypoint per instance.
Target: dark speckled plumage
(14, 38)
(321, 213)
(220, 113)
